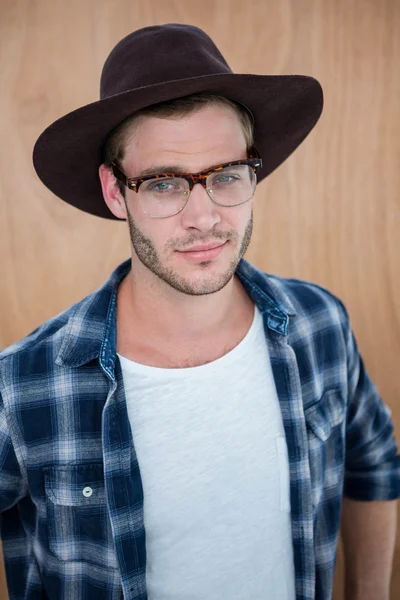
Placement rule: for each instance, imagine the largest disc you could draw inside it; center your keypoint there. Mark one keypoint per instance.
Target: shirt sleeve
(372, 467)
(12, 487)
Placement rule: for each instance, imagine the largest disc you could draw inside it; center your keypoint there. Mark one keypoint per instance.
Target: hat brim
(67, 154)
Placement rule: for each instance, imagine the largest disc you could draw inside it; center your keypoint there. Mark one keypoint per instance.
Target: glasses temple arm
(118, 174)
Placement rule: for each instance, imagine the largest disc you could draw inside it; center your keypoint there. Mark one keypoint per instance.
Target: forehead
(209, 136)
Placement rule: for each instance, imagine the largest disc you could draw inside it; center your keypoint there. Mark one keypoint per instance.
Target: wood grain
(330, 214)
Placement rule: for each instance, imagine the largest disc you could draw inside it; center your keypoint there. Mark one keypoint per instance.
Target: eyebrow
(162, 169)
(156, 170)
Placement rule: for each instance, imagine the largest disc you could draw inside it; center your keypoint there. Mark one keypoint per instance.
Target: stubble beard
(149, 257)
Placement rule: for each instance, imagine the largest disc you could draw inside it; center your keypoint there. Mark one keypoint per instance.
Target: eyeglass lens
(165, 196)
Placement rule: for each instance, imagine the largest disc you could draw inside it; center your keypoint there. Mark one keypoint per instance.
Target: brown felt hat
(160, 63)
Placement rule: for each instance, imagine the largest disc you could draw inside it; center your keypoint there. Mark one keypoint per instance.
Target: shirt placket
(124, 495)
(288, 387)
(123, 482)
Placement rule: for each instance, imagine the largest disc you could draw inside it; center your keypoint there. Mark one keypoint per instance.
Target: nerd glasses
(166, 194)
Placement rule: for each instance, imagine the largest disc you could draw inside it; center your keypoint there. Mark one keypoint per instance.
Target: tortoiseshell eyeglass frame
(134, 183)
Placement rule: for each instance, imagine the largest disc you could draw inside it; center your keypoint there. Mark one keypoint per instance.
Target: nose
(200, 211)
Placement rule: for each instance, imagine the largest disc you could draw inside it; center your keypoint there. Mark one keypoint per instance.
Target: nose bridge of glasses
(193, 178)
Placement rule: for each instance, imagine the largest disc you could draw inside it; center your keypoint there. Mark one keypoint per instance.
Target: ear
(111, 193)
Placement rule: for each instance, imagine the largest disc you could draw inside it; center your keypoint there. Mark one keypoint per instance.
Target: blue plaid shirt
(71, 495)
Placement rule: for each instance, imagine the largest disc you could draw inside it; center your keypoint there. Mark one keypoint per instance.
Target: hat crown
(157, 54)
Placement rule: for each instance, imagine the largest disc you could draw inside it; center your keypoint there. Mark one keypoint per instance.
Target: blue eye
(225, 179)
(161, 186)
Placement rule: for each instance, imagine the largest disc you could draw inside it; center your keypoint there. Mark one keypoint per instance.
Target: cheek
(163, 239)
(161, 235)
(239, 219)
(135, 211)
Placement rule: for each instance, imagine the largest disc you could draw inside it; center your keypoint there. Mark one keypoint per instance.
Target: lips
(203, 255)
(203, 248)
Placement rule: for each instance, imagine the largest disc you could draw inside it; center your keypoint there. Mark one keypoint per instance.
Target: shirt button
(87, 492)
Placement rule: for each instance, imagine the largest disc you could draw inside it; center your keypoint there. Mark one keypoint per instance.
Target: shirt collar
(269, 297)
(91, 329)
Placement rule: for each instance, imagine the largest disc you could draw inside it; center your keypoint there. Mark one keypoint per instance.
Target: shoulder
(309, 298)
(82, 323)
(321, 320)
(305, 300)
(46, 337)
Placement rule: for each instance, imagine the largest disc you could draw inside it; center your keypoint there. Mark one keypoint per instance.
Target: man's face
(209, 137)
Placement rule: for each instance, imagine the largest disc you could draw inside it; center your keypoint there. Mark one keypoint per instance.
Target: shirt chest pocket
(326, 422)
(77, 517)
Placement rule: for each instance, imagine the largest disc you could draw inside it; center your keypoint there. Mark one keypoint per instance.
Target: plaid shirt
(71, 495)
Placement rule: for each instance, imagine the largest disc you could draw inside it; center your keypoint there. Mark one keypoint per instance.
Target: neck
(171, 318)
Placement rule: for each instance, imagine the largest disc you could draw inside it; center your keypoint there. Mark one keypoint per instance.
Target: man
(194, 428)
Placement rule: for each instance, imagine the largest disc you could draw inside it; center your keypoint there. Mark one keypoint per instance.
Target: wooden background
(330, 214)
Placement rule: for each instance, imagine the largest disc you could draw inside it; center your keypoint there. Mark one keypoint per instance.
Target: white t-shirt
(213, 460)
